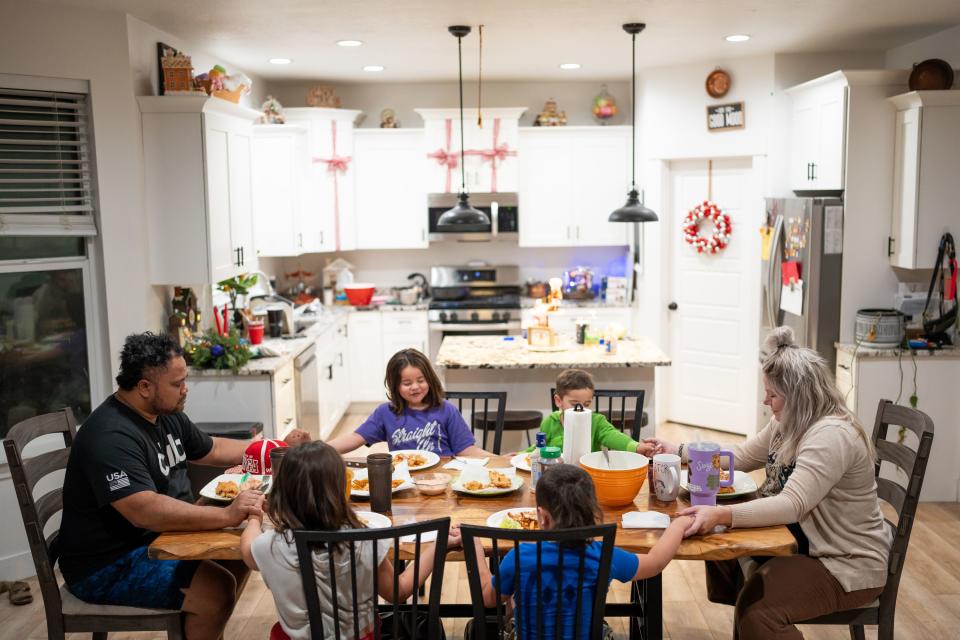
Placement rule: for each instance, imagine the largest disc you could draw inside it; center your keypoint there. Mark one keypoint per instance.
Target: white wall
(575, 98)
(944, 45)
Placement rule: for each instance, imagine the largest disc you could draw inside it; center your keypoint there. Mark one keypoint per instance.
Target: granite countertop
(873, 352)
(420, 306)
(595, 303)
(494, 352)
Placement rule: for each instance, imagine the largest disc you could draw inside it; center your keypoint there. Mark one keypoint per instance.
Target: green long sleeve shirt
(603, 433)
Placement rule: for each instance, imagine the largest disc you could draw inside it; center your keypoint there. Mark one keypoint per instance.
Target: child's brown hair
(573, 380)
(411, 358)
(567, 493)
(309, 491)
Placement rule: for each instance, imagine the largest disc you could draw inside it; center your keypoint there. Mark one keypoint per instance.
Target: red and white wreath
(720, 237)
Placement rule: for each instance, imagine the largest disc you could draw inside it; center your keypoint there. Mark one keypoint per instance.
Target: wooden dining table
(410, 506)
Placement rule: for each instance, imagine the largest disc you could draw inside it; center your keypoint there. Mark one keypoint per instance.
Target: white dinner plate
(210, 489)
(497, 519)
(374, 520)
(521, 461)
(432, 458)
(401, 472)
(482, 474)
(743, 486)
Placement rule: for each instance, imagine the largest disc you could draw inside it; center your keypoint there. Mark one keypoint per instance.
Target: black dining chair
(569, 541)
(486, 411)
(912, 465)
(66, 613)
(615, 405)
(415, 620)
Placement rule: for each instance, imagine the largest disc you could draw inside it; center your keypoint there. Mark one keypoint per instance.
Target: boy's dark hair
(573, 380)
(142, 352)
(567, 492)
(411, 358)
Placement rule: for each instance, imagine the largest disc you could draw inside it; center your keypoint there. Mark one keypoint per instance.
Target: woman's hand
(706, 519)
(661, 446)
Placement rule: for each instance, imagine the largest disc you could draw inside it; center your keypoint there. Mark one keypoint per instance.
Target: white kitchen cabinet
(335, 392)
(198, 190)
(404, 330)
(925, 185)
(365, 353)
(869, 377)
(442, 134)
(267, 398)
(331, 172)
(817, 130)
(391, 193)
(282, 221)
(571, 179)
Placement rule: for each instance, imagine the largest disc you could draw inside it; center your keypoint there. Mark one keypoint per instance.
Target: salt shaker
(379, 473)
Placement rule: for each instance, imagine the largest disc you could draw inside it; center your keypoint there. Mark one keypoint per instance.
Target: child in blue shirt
(566, 499)
(416, 416)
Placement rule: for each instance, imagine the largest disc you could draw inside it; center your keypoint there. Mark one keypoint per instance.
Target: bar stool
(522, 421)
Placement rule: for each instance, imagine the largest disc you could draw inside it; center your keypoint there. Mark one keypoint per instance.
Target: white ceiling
(523, 39)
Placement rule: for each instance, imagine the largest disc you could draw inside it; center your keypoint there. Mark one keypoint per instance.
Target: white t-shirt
(276, 557)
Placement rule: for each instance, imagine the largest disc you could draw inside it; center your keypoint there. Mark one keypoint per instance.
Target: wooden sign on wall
(721, 117)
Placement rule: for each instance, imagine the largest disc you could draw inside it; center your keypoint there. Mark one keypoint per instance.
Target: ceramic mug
(666, 476)
(704, 465)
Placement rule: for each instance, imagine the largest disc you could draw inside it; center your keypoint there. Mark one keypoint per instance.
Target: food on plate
(361, 484)
(363, 521)
(396, 482)
(526, 459)
(251, 484)
(413, 459)
(500, 480)
(227, 489)
(521, 520)
(724, 476)
(474, 485)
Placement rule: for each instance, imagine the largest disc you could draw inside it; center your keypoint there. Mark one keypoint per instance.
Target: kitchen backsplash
(391, 267)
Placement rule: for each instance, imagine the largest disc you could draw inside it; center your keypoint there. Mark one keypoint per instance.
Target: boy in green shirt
(575, 386)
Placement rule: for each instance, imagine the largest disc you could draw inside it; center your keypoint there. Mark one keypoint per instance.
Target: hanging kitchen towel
(791, 298)
(577, 433)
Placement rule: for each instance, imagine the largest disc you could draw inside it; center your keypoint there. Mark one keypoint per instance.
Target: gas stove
(474, 295)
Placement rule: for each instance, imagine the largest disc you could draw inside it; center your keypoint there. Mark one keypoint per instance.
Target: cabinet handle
(341, 358)
(321, 238)
(237, 261)
(578, 232)
(330, 372)
(241, 255)
(288, 421)
(808, 171)
(813, 171)
(423, 235)
(889, 246)
(284, 381)
(300, 235)
(843, 366)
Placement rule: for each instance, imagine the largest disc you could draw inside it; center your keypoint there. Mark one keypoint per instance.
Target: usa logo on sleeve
(117, 480)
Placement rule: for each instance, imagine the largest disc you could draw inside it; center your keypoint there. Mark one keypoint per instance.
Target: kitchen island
(496, 363)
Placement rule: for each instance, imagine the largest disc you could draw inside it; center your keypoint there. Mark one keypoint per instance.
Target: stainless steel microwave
(501, 208)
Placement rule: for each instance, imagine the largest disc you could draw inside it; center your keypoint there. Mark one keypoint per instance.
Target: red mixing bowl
(359, 294)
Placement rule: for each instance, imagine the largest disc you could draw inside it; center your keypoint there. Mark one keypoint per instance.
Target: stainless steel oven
(473, 300)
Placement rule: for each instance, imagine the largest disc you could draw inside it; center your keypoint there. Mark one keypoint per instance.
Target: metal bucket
(879, 327)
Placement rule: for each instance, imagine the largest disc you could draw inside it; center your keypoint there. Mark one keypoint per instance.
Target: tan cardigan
(832, 494)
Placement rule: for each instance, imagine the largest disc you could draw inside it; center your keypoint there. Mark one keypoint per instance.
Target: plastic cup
(255, 331)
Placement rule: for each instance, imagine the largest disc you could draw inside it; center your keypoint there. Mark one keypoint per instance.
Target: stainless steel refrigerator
(806, 235)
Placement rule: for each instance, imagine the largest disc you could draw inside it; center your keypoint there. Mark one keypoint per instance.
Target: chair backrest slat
(604, 403)
(567, 541)
(903, 499)
(37, 512)
(306, 541)
(494, 405)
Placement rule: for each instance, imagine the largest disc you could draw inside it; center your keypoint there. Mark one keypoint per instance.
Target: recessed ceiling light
(737, 37)
(349, 43)
(570, 65)
(373, 67)
(280, 60)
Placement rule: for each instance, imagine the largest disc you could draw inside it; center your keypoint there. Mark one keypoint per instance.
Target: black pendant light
(633, 210)
(462, 217)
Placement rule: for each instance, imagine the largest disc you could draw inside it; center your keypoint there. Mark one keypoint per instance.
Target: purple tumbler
(704, 467)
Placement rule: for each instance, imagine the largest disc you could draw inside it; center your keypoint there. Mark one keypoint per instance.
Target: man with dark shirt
(126, 481)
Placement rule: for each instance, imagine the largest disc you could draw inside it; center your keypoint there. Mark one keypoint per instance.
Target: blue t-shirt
(623, 567)
(441, 430)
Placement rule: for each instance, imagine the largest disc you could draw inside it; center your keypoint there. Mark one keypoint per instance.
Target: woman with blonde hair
(821, 484)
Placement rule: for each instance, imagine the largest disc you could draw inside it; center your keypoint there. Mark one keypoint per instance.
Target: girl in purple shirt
(416, 416)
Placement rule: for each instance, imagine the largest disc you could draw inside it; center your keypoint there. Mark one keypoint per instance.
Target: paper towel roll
(577, 435)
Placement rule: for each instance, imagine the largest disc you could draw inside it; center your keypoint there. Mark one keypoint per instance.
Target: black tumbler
(380, 475)
(275, 322)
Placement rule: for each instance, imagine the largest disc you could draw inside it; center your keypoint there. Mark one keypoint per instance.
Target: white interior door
(712, 330)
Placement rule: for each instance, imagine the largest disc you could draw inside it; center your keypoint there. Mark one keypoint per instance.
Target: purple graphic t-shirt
(441, 430)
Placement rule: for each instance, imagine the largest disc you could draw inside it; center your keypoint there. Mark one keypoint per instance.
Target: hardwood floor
(929, 600)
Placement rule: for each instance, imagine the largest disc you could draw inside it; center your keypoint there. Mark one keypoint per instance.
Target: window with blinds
(46, 164)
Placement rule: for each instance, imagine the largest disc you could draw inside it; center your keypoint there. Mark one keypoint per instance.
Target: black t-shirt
(118, 453)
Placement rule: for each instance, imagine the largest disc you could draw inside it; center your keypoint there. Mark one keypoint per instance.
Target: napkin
(458, 463)
(429, 536)
(645, 520)
(271, 351)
